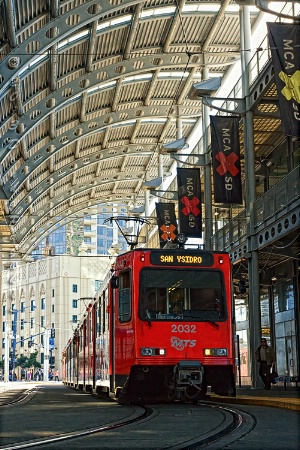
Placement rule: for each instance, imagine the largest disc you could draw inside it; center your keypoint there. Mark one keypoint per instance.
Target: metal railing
(276, 199)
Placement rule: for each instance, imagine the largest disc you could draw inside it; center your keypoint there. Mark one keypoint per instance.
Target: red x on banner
(168, 232)
(190, 206)
(189, 202)
(166, 221)
(225, 147)
(227, 164)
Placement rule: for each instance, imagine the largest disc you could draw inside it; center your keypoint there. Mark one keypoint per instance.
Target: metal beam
(10, 22)
(174, 25)
(92, 41)
(11, 65)
(133, 30)
(24, 228)
(96, 125)
(56, 100)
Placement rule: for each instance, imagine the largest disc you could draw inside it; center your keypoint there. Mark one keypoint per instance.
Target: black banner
(284, 39)
(189, 202)
(166, 221)
(226, 159)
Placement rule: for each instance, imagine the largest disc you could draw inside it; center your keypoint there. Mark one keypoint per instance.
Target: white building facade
(48, 294)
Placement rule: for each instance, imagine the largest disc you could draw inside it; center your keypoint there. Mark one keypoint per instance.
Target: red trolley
(160, 327)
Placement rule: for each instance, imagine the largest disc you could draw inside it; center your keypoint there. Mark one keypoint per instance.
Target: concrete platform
(277, 396)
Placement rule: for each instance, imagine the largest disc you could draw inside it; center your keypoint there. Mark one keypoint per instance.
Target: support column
(250, 190)
(147, 211)
(178, 130)
(207, 174)
(160, 167)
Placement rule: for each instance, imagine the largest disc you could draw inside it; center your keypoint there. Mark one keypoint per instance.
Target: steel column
(253, 265)
(207, 173)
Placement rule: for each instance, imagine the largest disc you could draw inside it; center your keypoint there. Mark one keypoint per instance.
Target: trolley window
(179, 294)
(124, 292)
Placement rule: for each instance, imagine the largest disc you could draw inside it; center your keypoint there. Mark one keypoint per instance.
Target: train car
(160, 327)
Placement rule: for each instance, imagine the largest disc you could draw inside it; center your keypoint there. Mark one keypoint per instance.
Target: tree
(32, 360)
(26, 362)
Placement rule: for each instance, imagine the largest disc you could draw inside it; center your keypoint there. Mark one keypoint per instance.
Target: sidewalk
(276, 397)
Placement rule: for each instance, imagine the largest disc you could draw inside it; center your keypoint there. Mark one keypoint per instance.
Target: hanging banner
(166, 221)
(226, 159)
(189, 202)
(284, 41)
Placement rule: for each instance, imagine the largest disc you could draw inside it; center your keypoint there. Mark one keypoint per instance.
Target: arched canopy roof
(89, 93)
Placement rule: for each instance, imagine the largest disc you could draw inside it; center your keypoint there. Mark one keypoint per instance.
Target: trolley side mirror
(114, 282)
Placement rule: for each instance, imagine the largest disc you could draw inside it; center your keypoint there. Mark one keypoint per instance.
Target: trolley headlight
(215, 352)
(148, 351)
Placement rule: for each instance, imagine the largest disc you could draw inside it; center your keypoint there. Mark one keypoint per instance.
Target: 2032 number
(183, 328)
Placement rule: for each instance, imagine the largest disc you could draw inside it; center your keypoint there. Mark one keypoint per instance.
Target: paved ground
(56, 408)
(278, 396)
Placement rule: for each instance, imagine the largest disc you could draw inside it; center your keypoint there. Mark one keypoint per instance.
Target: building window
(12, 307)
(52, 292)
(53, 308)
(3, 342)
(32, 305)
(42, 339)
(22, 307)
(43, 320)
(42, 358)
(3, 326)
(4, 310)
(75, 303)
(74, 288)
(74, 319)
(22, 341)
(22, 324)
(97, 284)
(43, 303)
(31, 322)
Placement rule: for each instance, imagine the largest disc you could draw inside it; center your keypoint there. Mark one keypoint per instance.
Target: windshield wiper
(148, 317)
(215, 324)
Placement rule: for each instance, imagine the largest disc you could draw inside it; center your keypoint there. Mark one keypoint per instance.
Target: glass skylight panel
(77, 36)
(145, 76)
(175, 74)
(102, 86)
(119, 20)
(158, 11)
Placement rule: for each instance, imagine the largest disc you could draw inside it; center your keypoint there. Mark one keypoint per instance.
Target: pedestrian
(264, 354)
(56, 375)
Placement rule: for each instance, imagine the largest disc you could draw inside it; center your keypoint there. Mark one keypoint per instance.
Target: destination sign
(181, 258)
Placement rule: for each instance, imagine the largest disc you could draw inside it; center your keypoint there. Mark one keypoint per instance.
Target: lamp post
(6, 356)
(46, 354)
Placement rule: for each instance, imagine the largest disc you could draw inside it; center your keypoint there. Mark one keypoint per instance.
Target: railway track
(15, 396)
(228, 426)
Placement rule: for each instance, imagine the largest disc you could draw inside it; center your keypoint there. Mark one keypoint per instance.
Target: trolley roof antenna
(130, 234)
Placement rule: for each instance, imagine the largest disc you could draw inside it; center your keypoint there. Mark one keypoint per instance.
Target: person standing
(265, 356)
(56, 375)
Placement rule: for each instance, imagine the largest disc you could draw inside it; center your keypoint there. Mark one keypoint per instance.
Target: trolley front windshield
(182, 294)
